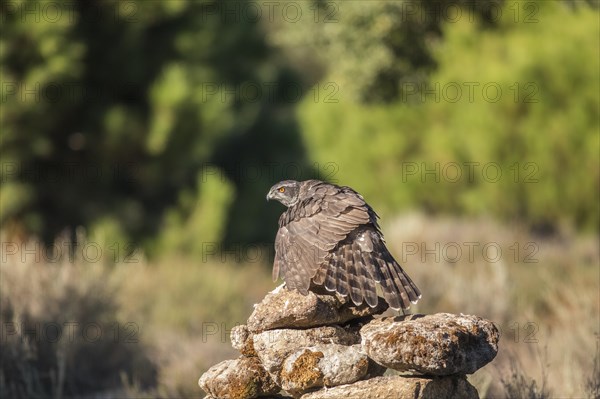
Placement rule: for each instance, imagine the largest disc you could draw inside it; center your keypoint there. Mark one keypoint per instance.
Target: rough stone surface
(438, 344)
(323, 365)
(283, 308)
(242, 378)
(261, 397)
(321, 346)
(397, 387)
(241, 340)
(275, 346)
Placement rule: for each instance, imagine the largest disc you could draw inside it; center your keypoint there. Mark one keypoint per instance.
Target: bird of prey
(329, 236)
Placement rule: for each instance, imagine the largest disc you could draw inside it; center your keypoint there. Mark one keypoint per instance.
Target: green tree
(111, 111)
(540, 132)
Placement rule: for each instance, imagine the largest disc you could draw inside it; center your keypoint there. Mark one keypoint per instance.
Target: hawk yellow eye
(281, 189)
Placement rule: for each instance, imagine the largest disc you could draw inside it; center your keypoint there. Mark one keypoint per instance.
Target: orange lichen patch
(262, 381)
(241, 389)
(248, 349)
(363, 363)
(305, 372)
(475, 330)
(248, 380)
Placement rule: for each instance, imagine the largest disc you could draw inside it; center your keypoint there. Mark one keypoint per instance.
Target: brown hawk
(330, 236)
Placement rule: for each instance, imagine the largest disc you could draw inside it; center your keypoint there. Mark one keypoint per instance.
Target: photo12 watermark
(55, 92)
(470, 172)
(70, 332)
(269, 92)
(69, 172)
(519, 332)
(271, 11)
(469, 251)
(56, 252)
(470, 92)
(69, 12)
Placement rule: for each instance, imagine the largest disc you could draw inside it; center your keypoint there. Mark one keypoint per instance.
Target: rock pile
(322, 346)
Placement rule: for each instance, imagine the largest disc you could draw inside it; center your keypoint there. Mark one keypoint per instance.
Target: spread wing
(314, 227)
(358, 263)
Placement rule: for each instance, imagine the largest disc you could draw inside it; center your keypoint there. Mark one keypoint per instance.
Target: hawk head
(286, 192)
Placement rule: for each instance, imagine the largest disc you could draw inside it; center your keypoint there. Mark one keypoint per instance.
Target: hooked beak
(269, 197)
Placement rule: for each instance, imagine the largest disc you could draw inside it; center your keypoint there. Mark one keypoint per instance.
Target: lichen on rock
(275, 346)
(241, 340)
(284, 308)
(322, 346)
(324, 365)
(242, 378)
(399, 387)
(438, 344)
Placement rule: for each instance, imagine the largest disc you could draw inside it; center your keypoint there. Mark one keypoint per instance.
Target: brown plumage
(329, 236)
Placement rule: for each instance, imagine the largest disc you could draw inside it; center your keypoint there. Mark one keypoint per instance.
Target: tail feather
(388, 287)
(399, 283)
(405, 287)
(354, 281)
(371, 267)
(368, 288)
(406, 284)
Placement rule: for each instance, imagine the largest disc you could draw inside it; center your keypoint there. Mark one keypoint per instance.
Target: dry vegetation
(165, 322)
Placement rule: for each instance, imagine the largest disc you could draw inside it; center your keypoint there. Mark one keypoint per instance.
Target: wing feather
(310, 230)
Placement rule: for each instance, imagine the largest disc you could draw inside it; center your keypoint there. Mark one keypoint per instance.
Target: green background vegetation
(135, 105)
(136, 126)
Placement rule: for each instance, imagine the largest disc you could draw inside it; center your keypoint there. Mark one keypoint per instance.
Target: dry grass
(172, 318)
(593, 381)
(182, 310)
(186, 310)
(518, 385)
(61, 336)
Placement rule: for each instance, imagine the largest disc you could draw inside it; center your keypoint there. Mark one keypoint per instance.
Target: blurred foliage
(199, 215)
(369, 48)
(115, 111)
(506, 125)
(138, 121)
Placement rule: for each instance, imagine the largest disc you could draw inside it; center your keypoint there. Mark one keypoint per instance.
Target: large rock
(397, 387)
(323, 365)
(275, 346)
(242, 378)
(438, 344)
(283, 308)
